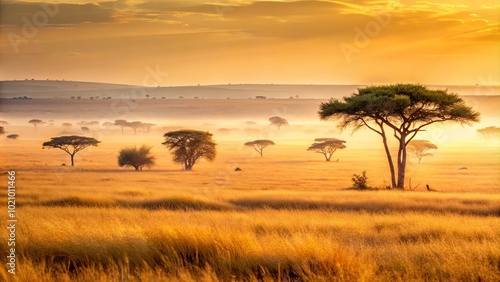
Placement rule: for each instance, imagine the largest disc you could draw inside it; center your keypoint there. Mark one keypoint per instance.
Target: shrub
(136, 157)
(360, 181)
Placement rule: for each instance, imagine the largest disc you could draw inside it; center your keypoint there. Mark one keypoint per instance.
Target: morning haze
(250, 140)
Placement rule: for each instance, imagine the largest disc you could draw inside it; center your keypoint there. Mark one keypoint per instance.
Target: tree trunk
(136, 167)
(389, 159)
(72, 161)
(401, 162)
(328, 157)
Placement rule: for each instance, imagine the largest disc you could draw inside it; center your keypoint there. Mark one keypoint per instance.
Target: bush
(360, 181)
(136, 157)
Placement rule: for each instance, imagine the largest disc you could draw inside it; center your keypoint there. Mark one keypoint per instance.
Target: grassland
(289, 216)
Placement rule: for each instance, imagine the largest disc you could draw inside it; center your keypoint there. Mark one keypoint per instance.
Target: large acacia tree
(71, 144)
(402, 110)
(187, 146)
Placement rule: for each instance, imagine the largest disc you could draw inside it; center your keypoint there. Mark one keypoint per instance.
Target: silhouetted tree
(85, 129)
(421, 148)
(187, 146)
(12, 136)
(67, 124)
(136, 157)
(326, 146)
(278, 121)
(121, 123)
(36, 122)
(2, 130)
(108, 124)
(259, 145)
(403, 109)
(147, 126)
(489, 132)
(134, 125)
(71, 144)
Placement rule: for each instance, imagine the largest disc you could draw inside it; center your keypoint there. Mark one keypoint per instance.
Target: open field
(288, 216)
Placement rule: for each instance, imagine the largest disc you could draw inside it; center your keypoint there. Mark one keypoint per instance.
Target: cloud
(16, 13)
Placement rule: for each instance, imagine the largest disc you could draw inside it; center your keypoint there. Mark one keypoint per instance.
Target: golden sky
(243, 41)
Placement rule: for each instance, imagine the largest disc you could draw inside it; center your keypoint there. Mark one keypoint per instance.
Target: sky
(190, 42)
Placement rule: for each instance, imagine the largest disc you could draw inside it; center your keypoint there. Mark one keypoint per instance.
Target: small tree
(67, 124)
(71, 144)
(121, 123)
(36, 122)
(489, 132)
(187, 146)
(147, 126)
(134, 125)
(136, 157)
(360, 181)
(259, 145)
(278, 121)
(85, 129)
(326, 146)
(12, 136)
(2, 130)
(421, 148)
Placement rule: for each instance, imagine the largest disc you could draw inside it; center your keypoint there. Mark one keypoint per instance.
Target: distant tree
(67, 124)
(260, 97)
(85, 129)
(401, 110)
(278, 121)
(147, 96)
(12, 136)
(2, 130)
(93, 123)
(259, 145)
(489, 132)
(36, 122)
(421, 148)
(108, 124)
(71, 144)
(136, 157)
(121, 123)
(326, 146)
(3, 122)
(187, 146)
(79, 97)
(73, 97)
(134, 125)
(147, 126)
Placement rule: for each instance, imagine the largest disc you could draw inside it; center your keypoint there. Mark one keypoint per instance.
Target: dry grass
(287, 216)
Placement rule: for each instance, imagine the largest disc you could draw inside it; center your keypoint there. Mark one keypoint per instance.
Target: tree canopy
(36, 122)
(71, 144)
(259, 145)
(136, 157)
(402, 109)
(489, 132)
(278, 121)
(421, 148)
(187, 146)
(2, 130)
(327, 146)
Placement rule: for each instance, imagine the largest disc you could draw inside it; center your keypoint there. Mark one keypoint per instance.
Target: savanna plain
(286, 216)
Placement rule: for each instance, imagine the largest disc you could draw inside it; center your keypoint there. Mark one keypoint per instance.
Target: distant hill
(67, 89)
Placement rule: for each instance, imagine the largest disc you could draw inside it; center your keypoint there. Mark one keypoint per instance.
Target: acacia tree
(278, 121)
(134, 125)
(421, 148)
(259, 145)
(187, 146)
(326, 146)
(12, 136)
(2, 130)
(121, 123)
(403, 110)
(490, 131)
(136, 157)
(71, 144)
(35, 122)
